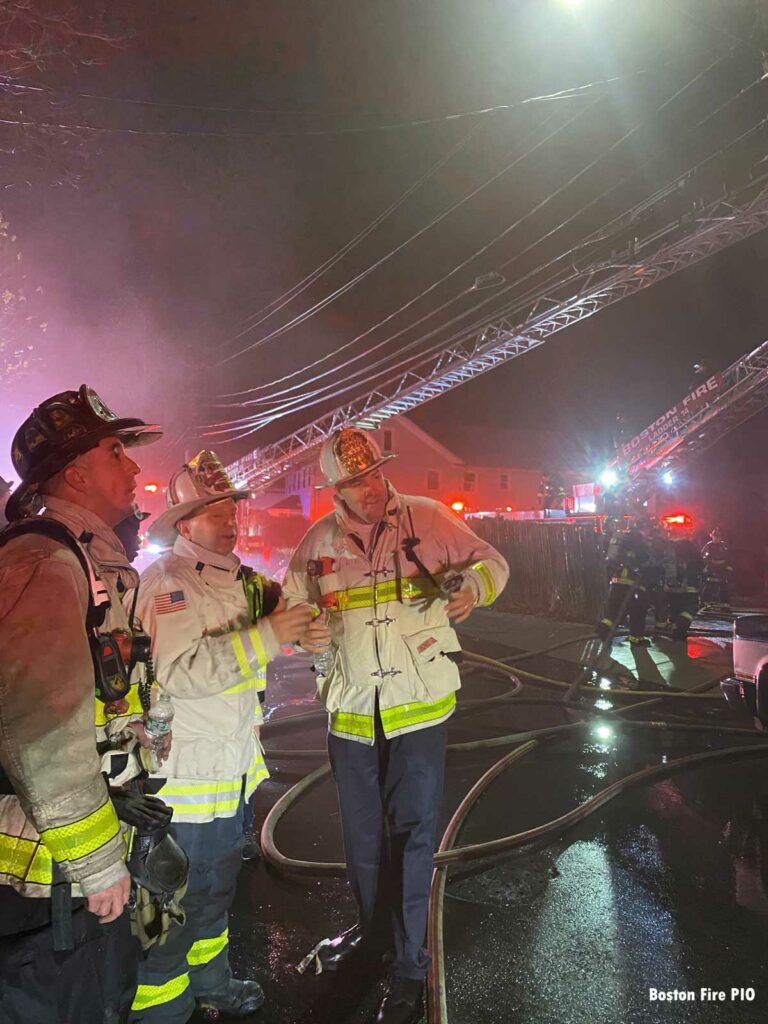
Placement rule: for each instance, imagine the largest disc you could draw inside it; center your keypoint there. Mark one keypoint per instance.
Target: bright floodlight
(604, 732)
(154, 549)
(609, 478)
(668, 477)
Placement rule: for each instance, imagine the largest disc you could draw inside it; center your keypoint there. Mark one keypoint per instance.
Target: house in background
(481, 468)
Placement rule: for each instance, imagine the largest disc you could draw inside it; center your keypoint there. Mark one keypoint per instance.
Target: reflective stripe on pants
(199, 951)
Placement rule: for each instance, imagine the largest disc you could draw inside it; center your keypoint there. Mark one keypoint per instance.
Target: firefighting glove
(146, 813)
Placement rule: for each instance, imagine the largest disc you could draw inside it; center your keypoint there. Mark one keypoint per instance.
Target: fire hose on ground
(448, 853)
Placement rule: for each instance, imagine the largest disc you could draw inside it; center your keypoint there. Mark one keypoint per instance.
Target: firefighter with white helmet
(389, 574)
(215, 625)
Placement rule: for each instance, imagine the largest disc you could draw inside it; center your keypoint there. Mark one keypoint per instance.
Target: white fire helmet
(201, 481)
(348, 454)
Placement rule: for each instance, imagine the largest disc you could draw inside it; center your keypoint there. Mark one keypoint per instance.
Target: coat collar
(98, 539)
(216, 568)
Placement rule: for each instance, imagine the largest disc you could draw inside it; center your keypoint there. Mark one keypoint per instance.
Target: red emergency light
(679, 520)
(152, 488)
(457, 506)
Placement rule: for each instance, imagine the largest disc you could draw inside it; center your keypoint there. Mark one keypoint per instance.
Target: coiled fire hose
(528, 740)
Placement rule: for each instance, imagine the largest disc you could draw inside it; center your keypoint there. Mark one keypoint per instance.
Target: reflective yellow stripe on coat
(203, 800)
(251, 659)
(25, 859)
(405, 716)
(484, 573)
(407, 589)
(79, 838)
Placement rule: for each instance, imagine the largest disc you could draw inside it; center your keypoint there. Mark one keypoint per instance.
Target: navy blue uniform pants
(194, 960)
(389, 798)
(93, 983)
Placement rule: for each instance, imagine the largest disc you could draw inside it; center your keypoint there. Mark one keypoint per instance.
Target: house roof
(513, 449)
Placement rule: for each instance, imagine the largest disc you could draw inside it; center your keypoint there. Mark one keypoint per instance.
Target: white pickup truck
(747, 689)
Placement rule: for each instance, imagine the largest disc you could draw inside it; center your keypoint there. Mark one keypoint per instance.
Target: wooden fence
(555, 569)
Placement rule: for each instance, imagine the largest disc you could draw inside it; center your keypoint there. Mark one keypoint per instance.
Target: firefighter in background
(552, 492)
(661, 572)
(391, 572)
(717, 573)
(127, 531)
(67, 950)
(630, 571)
(211, 645)
(5, 491)
(683, 590)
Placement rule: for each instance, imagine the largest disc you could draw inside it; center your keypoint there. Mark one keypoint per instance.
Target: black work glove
(272, 594)
(147, 813)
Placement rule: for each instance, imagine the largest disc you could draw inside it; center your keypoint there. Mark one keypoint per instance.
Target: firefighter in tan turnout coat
(66, 950)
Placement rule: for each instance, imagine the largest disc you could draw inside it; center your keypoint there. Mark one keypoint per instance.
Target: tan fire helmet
(348, 454)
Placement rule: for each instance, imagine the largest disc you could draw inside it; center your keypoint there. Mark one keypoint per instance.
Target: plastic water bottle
(158, 725)
(324, 659)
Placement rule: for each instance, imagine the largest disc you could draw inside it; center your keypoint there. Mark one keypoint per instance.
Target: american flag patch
(173, 602)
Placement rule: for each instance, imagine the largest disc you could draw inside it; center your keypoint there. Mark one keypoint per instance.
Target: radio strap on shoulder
(97, 609)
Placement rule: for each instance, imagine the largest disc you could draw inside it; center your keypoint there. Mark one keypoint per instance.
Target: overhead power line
(722, 223)
(318, 306)
(575, 92)
(301, 401)
(283, 300)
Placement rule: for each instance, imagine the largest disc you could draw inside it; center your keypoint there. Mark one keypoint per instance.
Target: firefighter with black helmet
(63, 877)
(630, 571)
(5, 490)
(683, 589)
(717, 573)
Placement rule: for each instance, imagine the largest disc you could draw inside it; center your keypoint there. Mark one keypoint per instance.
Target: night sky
(155, 261)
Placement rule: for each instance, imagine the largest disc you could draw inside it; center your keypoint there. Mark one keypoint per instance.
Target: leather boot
(235, 999)
(251, 849)
(403, 1002)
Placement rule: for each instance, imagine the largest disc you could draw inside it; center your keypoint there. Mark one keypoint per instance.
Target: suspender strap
(61, 912)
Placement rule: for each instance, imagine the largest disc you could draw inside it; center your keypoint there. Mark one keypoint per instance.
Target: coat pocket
(430, 651)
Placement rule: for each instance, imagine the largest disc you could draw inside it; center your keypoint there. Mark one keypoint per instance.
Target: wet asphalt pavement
(665, 888)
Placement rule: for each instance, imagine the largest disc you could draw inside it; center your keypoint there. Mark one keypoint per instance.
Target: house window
(470, 479)
(387, 442)
(433, 480)
(504, 482)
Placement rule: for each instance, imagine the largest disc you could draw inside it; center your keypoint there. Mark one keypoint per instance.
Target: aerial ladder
(651, 244)
(716, 407)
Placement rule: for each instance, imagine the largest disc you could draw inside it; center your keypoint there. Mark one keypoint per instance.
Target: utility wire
(510, 228)
(528, 152)
(421, 357)
(283, 300)
(343, 289)
(394, 372)
(573, 92)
